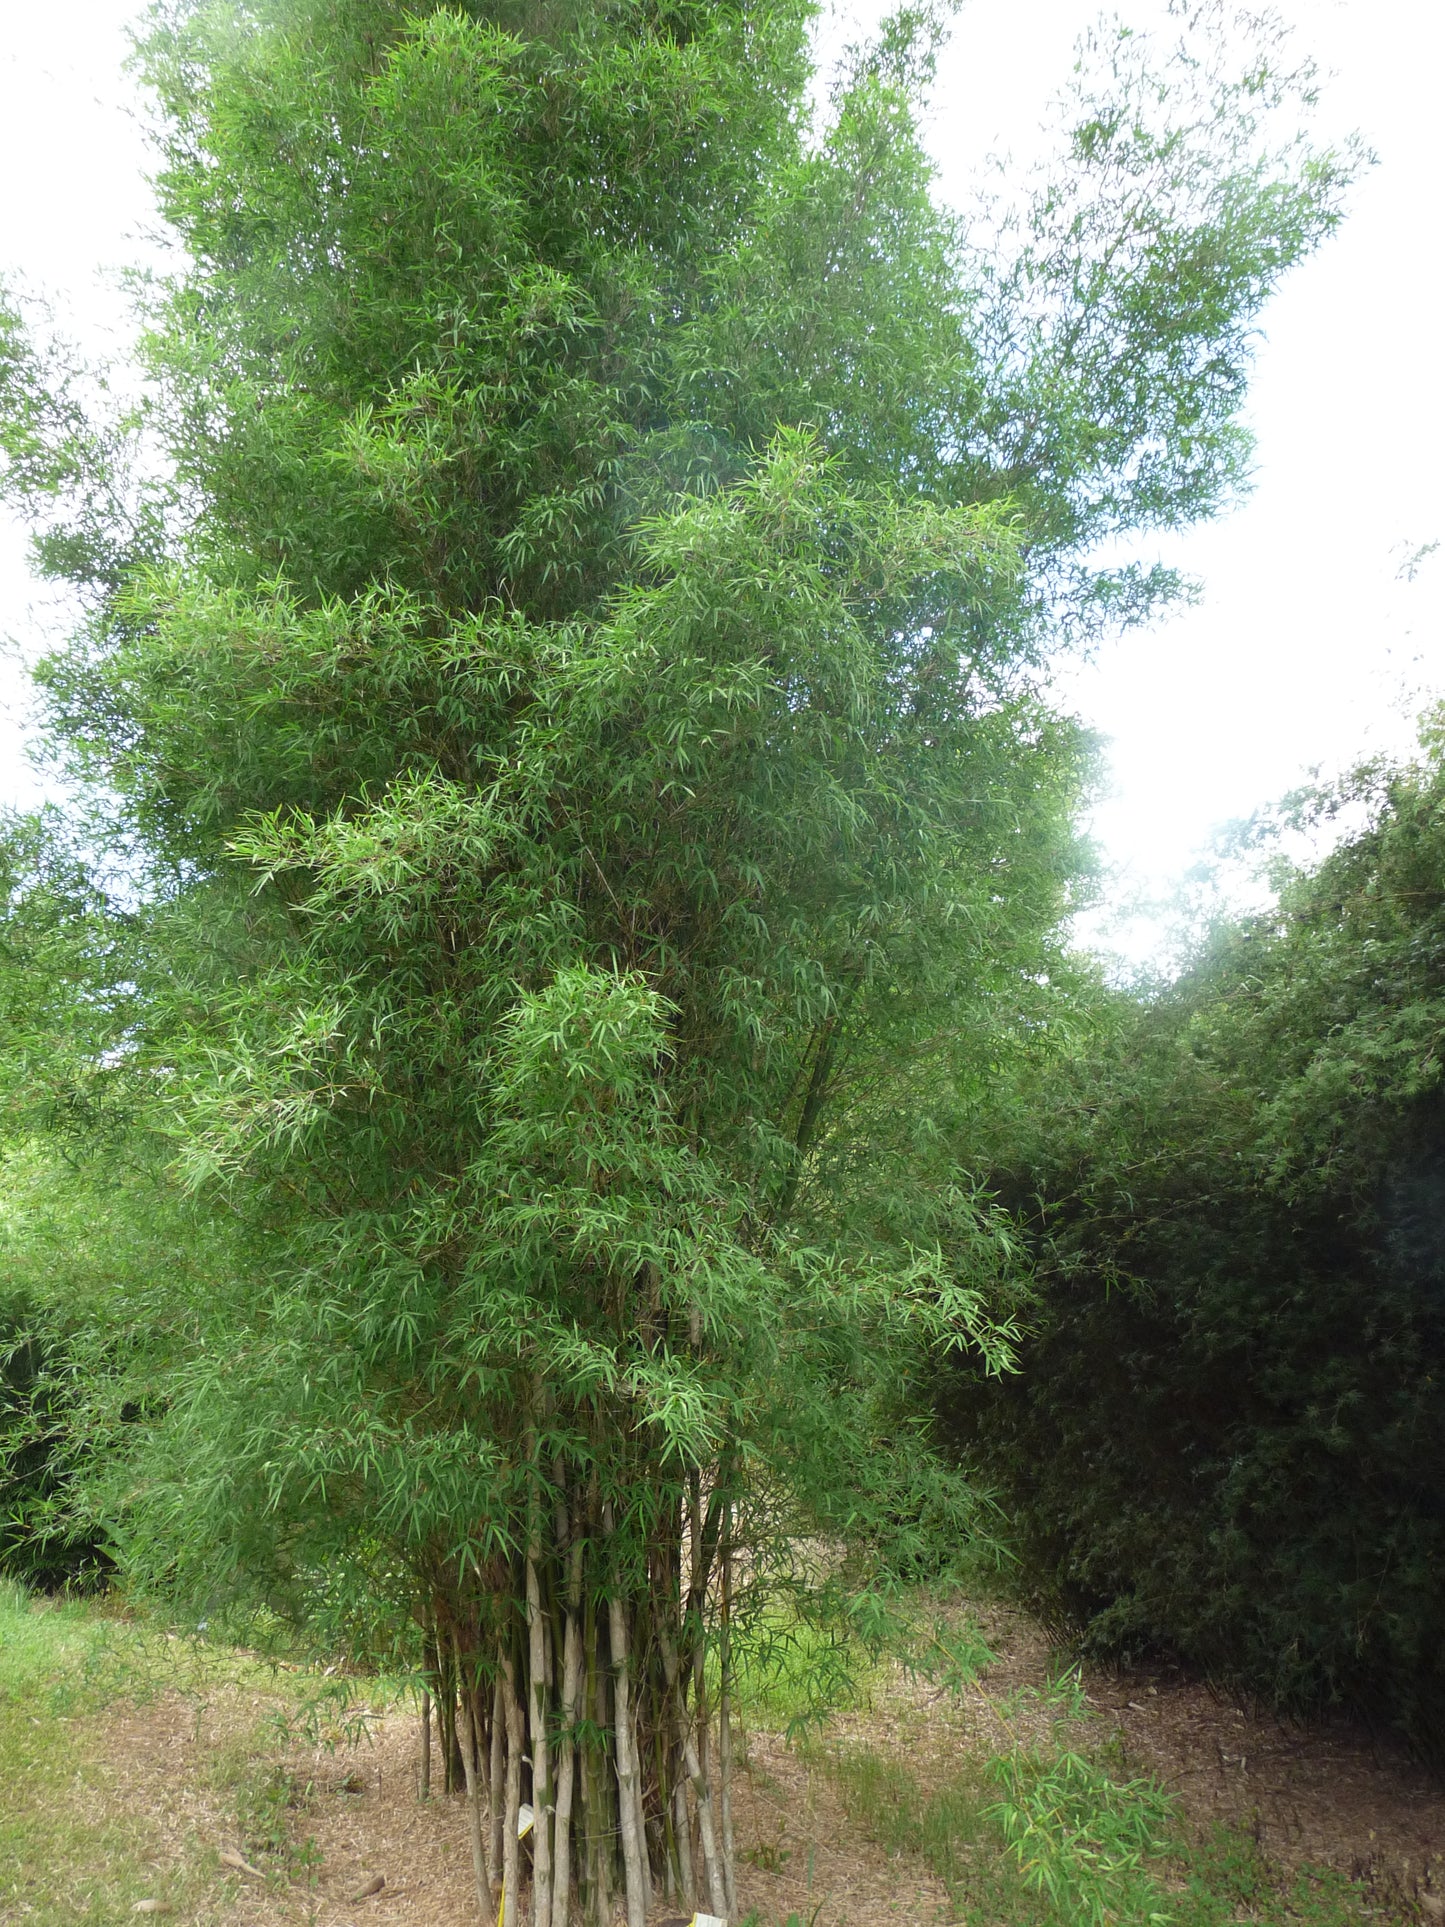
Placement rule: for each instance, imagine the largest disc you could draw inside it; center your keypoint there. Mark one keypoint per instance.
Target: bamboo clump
(589, 1681)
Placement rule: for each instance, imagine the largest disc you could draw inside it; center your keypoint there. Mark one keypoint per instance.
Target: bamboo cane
(511, 1859)
(683, 1825)
(496, 1780)
(471, 1767)
(524, 1827)
(725, 1730)
(627, 1775)
(541, 1761)
(701, 1791)
(567, 1766)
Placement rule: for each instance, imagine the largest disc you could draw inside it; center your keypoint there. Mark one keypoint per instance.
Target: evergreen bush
(1227, 1435)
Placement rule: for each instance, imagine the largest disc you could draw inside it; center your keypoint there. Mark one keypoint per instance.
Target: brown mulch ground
(1330, 1795)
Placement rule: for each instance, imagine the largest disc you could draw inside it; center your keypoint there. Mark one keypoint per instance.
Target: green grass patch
(73, 1849)
(790, 1674)
(47, 1649)
(69, 1850)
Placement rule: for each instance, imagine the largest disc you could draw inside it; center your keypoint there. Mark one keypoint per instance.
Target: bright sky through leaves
(1315, 640)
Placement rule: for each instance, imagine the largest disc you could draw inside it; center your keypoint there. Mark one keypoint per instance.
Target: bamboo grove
(567, 634)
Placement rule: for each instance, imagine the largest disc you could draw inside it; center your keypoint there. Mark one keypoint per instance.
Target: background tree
(103, 1263)
(1227, 1432)
(584, 708)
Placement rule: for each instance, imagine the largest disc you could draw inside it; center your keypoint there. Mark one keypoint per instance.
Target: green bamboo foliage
(580, 672)
(548, 1055)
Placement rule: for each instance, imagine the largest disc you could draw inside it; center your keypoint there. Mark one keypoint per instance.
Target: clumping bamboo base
(589, 1680)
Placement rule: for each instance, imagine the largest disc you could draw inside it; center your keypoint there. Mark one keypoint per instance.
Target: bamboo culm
(472, 1768)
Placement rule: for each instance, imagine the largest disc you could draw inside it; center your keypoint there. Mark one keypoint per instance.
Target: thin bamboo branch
(693, 1617)
(594, 1795)
(447, 1714)
(682, 1823)
(645, 1856)
(701, 1790)
(471, 1767)
(566, 1771)
(541, 1761)
(516, 1741)
(725, 1729)
(627, 1774)
(497, 1766)
(597, 1781)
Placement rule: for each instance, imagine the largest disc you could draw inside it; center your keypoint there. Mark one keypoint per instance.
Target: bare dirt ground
(1328, 1795)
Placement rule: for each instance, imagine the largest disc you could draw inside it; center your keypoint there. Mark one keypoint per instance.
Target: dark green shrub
(41, 1542)
(1228, 1435)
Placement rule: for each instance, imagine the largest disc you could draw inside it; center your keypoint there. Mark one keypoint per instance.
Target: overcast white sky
(1305, 650)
